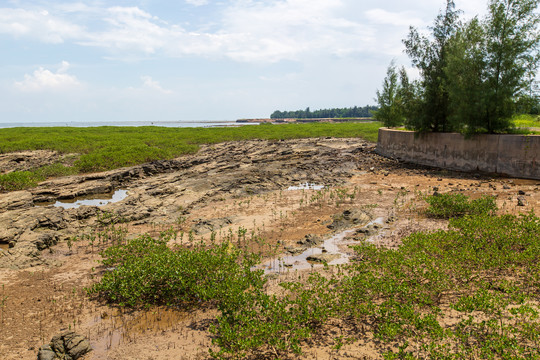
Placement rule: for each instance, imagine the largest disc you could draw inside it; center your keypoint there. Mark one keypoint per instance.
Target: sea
(209, 123)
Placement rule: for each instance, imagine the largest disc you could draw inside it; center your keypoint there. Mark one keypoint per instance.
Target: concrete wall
(512, 155)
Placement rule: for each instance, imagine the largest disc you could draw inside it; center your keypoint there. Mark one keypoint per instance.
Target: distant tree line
(474, 75)
(353, 112)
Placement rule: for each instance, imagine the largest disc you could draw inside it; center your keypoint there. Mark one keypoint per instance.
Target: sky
(180, 60)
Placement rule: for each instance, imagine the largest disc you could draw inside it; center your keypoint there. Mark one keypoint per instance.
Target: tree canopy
(474, 75)
(325, 113)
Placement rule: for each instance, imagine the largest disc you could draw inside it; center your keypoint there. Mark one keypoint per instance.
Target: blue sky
(127, 60)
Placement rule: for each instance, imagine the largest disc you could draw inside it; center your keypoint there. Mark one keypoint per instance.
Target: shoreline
(310, 120)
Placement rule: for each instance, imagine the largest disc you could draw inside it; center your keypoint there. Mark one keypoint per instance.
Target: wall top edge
(455, 133)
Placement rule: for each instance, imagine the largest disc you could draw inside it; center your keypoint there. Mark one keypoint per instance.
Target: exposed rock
(323, 258)
(26, 160)
(310, 240)
(348, 219)
(206, 226)
(67, 346)
(16, 200)
(46, 353)
(294, 250)
(161, 191)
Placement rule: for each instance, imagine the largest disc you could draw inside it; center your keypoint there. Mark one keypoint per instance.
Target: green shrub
(456, 204)
(486, 266)
(55, 170)
(147, 272)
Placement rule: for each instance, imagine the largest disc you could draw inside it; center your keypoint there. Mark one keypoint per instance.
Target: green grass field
(527, 121)
(109, 147)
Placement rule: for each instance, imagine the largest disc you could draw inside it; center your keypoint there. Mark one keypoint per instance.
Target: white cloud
(149, 83)
(248, 30)
(384, 17)
(197, 2)
(38, 24)
(276, 30)
(43, 79)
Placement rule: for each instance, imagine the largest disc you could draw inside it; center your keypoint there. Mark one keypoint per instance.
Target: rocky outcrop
(26, 160)
(67, 346)
(160, 192)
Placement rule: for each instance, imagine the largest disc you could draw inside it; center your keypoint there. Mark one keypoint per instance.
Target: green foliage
(265, 323)
(430, 107)
(484, 265)
(147, 272)
(456, 204)
(526, 121)
(493, 66)
(18, 180)
(475, 76)
(354, 112)
(55, 170)
(390, 100)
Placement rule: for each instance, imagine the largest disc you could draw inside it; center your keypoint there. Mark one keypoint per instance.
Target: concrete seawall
(512, 155)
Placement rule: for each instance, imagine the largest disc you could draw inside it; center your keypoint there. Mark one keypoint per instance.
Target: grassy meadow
(108, 147)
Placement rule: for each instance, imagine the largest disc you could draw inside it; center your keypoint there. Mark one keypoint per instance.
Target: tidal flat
(251, 195)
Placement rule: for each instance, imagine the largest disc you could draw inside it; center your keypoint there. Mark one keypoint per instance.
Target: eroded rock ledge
(158, 191)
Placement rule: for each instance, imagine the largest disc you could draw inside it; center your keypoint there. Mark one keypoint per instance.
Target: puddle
(119, 328)
(306, 186)
(330, 246)
(300, 262)
(92, 200)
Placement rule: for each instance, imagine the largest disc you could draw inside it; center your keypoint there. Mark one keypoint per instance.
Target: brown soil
(223, 187)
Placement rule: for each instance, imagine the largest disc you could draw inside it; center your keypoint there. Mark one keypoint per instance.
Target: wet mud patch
(90, 200)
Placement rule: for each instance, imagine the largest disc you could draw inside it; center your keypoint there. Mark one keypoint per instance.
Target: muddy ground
(48, 257)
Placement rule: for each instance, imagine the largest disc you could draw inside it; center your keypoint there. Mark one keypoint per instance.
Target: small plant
(456, 204)
(18, 180)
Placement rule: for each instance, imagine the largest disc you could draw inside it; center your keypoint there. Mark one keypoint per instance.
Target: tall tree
(466, 73)
(492, 64)
(429, 55)
(389, 99)
(512, 50)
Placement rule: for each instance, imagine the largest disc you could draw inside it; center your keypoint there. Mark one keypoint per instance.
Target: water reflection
(118, 195)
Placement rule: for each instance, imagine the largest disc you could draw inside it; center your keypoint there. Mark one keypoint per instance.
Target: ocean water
(123, 123)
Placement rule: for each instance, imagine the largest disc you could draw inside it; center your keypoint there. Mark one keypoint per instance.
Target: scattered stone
(206, 226)
(66, 346)
(323, 258)
(348, 219)
(521, 192)
(294, 251)
(310, 240)
(521, 201)
(391, 219)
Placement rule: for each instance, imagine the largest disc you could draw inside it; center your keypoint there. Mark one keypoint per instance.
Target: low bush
(148, 272)
(456, 204)
(18, 180)
(484, 267)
